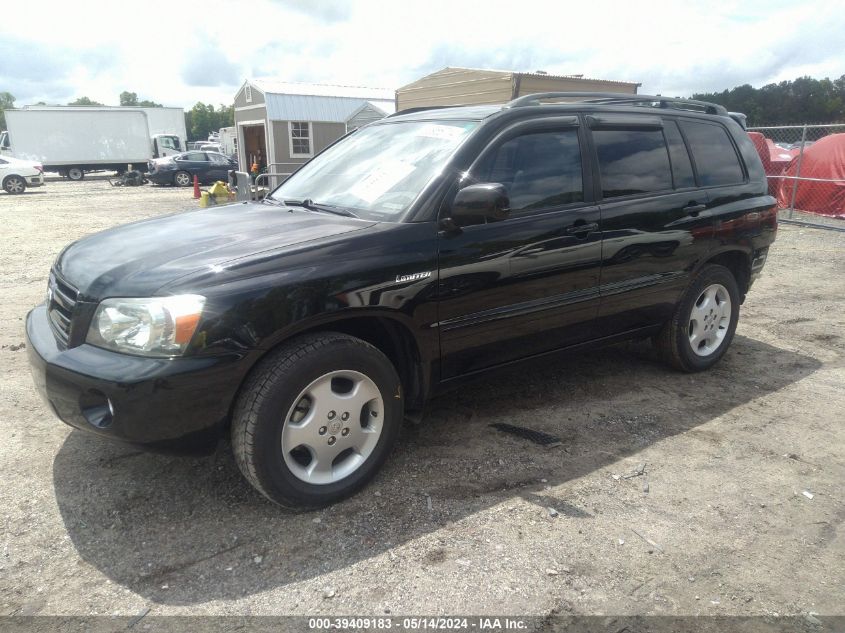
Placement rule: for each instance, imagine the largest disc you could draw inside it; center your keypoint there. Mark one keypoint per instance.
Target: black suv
(419, 250)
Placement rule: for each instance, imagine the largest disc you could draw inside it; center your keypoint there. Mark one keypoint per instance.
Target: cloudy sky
(178, 53)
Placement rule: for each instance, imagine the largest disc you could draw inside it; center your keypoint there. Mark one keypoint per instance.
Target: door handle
(694, 209)
(581, 228)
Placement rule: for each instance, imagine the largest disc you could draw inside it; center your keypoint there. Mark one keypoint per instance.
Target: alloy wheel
(15, 185)
(333, 427)
(710, 319)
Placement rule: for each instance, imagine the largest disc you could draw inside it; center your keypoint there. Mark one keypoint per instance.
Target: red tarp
(775, 159)
(823, 159)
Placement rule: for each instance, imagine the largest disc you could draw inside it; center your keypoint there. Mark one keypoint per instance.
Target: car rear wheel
(317, 419)
(75, 173)
(14, 184)
(704, 322)
(182, 179)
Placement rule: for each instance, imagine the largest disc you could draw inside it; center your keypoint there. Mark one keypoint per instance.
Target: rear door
(220, 166)
(528, 284)
(722, 175)
(655, 222)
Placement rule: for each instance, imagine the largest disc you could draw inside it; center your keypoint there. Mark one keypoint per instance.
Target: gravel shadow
(182, 530)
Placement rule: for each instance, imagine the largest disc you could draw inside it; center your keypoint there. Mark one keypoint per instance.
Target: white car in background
(16, 175)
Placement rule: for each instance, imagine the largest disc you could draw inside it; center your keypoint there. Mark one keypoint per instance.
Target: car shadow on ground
(185, 530)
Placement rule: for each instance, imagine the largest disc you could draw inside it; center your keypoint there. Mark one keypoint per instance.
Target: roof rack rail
(420, 109)
(620, 98)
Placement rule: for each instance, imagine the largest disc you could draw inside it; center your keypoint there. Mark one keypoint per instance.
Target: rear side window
(632, 161)
(540, 170)
(681, 166)
(715, 157)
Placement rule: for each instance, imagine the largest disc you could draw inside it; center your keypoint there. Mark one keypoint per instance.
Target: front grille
(62, 298)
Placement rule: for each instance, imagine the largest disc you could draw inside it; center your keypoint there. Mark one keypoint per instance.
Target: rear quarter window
(716, 161)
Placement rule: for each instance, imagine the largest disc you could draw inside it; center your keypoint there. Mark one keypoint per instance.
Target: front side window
(540, 170)
(378, 171)
(218, 159)
(300, 138)
(715, 157)
(632, 161)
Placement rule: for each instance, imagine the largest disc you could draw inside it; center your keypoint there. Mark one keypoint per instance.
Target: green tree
(131, 99)
(128, 98)
(7, 102)
(204, 118)
(802, 100)
(84, 101)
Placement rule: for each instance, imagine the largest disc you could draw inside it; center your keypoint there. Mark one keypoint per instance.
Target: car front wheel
(317, 419)
(704, 322)
(14, 184)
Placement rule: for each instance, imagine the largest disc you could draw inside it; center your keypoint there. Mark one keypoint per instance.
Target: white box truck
(73, 140)
(228, 141)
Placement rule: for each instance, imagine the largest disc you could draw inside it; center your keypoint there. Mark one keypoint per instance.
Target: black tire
(673, 342)
(182, 179)
(75, 173)
(14, 184)
(271, 391)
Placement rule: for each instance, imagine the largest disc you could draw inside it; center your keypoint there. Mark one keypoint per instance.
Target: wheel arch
(738, 261)
(389, 335)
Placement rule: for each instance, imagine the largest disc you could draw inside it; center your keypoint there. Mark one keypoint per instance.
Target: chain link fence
(805, 165)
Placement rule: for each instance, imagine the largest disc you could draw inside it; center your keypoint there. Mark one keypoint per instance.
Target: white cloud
(181, 53)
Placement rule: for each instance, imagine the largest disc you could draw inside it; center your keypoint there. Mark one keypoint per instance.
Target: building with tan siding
(283, 124)
(474, 86)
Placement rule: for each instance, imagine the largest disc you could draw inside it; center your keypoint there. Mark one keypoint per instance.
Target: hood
(137, 259)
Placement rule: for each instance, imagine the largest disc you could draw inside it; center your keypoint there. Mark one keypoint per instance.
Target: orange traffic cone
(196, 187)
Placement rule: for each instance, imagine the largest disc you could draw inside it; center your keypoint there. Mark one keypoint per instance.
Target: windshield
(378, 171)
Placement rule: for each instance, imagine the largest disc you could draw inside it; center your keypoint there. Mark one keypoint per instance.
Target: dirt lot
(458, 521)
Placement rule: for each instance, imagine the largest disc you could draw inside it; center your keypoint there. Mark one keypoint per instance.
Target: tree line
(802, 100)
(199, 120)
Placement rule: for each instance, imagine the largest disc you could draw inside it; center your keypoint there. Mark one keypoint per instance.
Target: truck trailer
(74, 140)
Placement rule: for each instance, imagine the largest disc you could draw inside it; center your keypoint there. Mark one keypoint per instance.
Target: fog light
(96, 408)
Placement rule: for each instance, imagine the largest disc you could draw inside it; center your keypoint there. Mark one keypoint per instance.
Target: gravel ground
(459, 520)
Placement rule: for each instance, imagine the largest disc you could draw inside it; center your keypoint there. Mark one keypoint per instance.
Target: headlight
(157, 326)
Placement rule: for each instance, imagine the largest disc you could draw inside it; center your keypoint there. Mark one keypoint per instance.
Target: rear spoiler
(740, 118)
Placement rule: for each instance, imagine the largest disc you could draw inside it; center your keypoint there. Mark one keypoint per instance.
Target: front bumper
(180, 403)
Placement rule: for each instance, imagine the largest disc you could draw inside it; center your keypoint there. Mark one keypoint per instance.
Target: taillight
(40, 168)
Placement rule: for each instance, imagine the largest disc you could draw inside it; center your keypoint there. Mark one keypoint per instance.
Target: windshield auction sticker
(445, 132)
(379, 181)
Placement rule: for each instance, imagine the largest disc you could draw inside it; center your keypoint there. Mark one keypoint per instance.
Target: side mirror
(480, 204)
